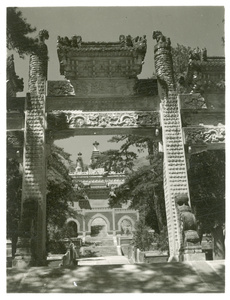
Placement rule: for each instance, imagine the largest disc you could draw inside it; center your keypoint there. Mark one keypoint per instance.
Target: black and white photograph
(115, 160)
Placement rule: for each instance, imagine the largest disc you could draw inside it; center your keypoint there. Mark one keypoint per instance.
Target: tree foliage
(17, 32)
(60, 195)
(115, 160)
(207, 188)
(60, 189)
(123, 160)
(143, 188)
(14, 193)
(180, 57)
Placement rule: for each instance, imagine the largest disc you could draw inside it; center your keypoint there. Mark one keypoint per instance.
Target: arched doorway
(71, 229)
(99, 227)
(126, 227)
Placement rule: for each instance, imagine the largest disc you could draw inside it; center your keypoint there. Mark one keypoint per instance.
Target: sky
(188, 25)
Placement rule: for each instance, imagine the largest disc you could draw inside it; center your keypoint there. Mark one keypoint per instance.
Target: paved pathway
(190, 277)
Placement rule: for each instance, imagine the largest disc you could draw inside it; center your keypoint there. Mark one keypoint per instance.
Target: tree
(60, 192)
(143, 188)
(60, 195)
(207, 189)
(17, 32)
(180, 57)
(14, 192)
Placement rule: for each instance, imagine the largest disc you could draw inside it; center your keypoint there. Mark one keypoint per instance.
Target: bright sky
(189, 25)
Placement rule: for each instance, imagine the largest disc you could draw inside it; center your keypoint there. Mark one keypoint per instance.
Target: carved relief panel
(204, 135)
(75, 119)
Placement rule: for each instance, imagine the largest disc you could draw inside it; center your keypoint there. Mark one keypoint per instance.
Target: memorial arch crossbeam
(113, 121)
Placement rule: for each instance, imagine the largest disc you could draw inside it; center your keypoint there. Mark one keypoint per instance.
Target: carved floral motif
(60, 88)
(109, 119)
(192, 101)
(204, 135)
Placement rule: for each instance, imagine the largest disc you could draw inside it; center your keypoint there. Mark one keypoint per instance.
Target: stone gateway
(101, 94)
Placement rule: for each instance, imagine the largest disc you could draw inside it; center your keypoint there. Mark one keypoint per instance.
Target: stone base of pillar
(174, 258)
(115, 239)
(193, 256)
(21, 262)
(83, 237)
(23, 256)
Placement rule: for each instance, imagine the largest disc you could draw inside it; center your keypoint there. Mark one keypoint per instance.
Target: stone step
(99, 251)
(102, 241)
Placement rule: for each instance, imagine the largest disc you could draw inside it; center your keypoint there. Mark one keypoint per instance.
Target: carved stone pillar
(175, 171)
(33, 216)
(114, 225)
(83, 225)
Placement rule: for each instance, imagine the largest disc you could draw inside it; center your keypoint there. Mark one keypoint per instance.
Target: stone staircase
(99, 247)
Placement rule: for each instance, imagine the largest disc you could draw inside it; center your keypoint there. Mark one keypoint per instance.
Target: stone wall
(113, 218)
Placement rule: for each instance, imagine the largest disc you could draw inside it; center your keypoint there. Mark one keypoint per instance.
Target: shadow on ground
(190, 277)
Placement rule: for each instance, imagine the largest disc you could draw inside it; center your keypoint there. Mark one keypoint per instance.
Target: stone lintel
(15, 103)
(139, 103)
(194, 149)
(202, 117)
(15, 121)
(62, 120)
(99, 87)
(205, 135)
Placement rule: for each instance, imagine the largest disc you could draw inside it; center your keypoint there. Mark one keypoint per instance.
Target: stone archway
(72, 229)
(102, 115)
(99, 227)
(126, 225)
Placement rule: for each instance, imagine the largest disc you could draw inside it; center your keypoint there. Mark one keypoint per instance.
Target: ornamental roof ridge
(126, 43)
(209, 62)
